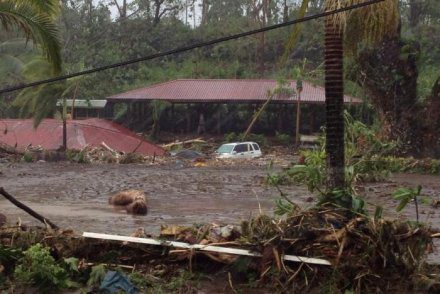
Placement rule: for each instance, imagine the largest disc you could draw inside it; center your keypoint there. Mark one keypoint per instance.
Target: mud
(76, 195)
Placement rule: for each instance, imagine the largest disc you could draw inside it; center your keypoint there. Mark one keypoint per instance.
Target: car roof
(236, 143)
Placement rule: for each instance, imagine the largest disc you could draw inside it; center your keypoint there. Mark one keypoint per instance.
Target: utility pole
(298, 110)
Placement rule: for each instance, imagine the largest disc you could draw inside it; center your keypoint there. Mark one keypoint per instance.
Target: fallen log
(27, 209)
(218, 249)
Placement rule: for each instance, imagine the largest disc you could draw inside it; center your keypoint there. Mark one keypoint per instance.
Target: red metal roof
(80, 133)
(217, 90)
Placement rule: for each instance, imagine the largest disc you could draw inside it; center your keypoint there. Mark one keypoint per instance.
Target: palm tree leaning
(36, 20)
(372, 24)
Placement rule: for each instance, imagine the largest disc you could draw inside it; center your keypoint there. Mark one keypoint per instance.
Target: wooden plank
(226, 250)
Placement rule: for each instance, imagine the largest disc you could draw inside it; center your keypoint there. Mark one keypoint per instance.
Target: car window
(225, 149)
(256, 147)
(241, 148)
(249, 146)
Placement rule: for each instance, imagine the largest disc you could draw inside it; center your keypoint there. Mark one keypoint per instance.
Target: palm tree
(371, 24)
(36, 20)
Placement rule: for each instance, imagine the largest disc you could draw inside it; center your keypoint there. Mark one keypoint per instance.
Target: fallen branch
(211, 248)
(108, 148)
(27, 209)
(170, 145)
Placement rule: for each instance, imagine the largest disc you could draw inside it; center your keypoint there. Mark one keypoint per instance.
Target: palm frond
(49, 7)
(369, 24)
(10, 65)
(293, 38)
(39, 102)
(36, 26)
(37, 68)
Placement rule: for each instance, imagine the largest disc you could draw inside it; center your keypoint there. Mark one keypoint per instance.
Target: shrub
(259, 138)
(231, 137)
(38, 268)
(284, 139)
(27, 157)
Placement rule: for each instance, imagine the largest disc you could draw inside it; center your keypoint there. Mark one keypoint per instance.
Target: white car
(239, 150)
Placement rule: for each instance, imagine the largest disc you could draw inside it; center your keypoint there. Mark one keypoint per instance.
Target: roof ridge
(238, 80)
(145, 87)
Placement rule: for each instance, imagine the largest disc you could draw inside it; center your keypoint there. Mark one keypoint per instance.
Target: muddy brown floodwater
(76, 196)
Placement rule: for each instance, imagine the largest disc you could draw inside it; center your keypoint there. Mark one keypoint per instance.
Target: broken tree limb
(27, 209)
(108, 148)
(257, 115)
(218, 249)
(170, 145)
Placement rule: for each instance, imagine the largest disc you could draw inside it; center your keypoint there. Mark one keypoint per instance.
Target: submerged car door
(251, 152)
(241, 150)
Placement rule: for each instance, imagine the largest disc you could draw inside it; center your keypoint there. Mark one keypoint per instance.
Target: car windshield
(225, 149)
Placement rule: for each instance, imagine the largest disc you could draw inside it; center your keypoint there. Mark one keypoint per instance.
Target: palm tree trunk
(334, 88)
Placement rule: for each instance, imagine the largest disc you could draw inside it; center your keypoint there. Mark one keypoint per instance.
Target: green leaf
(72, 263)
(97, 274)
(402, 204)
(378, 212)
(357, 204)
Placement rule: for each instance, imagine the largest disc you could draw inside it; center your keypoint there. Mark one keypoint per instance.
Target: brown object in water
(137, 207)
(133, 200)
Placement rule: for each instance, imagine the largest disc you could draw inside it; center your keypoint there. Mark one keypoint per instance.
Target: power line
(189, 47)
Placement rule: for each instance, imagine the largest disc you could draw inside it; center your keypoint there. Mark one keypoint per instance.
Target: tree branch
(27, 209)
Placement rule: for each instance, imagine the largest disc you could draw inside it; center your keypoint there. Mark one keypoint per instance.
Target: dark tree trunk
(205, 9)
(285, 11)
(157, 13)
(334, 88)
(415, 11)
(64, 134)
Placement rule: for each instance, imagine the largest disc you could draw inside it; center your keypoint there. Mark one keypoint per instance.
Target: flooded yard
(76, 196)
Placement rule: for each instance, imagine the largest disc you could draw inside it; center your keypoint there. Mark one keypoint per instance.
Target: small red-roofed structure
(20, 133)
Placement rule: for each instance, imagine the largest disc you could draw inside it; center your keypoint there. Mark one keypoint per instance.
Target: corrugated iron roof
(80, 133)
(228, 90)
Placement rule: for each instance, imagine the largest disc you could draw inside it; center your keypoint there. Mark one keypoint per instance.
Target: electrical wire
(189, 47)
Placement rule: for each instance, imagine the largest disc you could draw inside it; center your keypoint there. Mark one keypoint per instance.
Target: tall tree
(373, 23)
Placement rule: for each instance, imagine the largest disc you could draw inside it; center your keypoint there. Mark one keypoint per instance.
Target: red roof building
(80, 133)
(224, 91)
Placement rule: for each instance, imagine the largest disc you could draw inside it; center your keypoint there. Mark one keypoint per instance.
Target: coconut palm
(35, 19)
(371, 23)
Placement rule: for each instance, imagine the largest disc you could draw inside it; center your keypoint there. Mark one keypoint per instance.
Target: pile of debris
(104, 154)
(89, 154)
(309, 250)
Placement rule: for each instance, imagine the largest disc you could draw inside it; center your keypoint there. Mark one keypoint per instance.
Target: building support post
(298, 112)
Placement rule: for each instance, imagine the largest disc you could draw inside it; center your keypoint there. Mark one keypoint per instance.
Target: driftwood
(170, 145)
(108, 148)
(27, 209)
